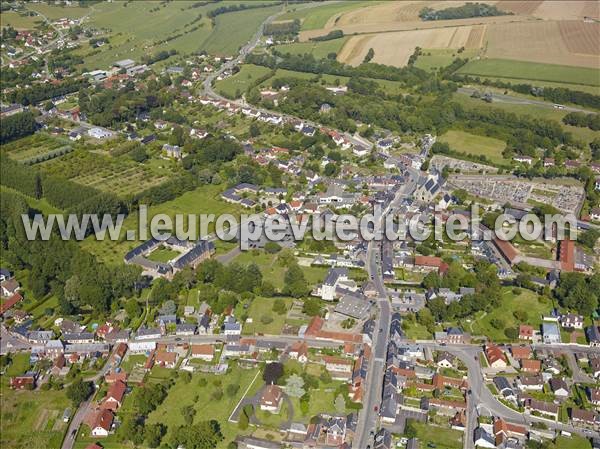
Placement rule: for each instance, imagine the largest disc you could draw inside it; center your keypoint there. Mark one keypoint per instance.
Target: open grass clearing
(263, 307)
(236, 85)
(475, 145)
(163, 255)
(525, 301)
(20, 21)
(319, 50)
(29, 418)
(436, 58)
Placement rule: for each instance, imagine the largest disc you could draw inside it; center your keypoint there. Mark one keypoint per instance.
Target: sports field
(531, 71)
(475, 145)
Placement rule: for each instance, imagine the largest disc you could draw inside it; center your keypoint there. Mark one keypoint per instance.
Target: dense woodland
(17, 126)
(462, 12)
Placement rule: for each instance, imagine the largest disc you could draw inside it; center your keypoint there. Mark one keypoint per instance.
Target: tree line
(16, 126)
(41, 92)
(462, 12)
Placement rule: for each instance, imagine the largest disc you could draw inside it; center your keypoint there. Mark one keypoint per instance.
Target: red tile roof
(10, 302)
(508, 251)
(566, 254)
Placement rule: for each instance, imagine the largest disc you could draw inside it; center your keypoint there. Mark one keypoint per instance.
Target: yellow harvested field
(385, 26)
(580, 37)
(544, 43)
(567, 10)
(395, 48)
(404, 11)
(523, 7)
(475, 39)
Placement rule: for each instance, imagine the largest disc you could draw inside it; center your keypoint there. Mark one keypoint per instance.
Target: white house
(99, 133)
(571, 321)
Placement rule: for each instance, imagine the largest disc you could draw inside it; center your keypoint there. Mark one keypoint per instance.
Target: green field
(317, 17)
(475, 145)
(319, 50)
(32, 418)
(52, 12)
(182, 394)
(263, 307)
(241, 81)
(533, 111)
(40, 205)
(526, 301)
(435, 58)
(531, 71)
(580, 87)
(234, 29)
(442, 438)
(20, 21)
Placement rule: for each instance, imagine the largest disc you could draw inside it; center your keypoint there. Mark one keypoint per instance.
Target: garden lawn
(526, 301)
(236, 85)
(32, 419)
(163, 255)
(182, 394)
(475, 145)
(441, 438)
(263, 307)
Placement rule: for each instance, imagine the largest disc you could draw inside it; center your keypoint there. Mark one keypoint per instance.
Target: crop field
(121, 176)
(241, 81)
(383, 23)
(563, 43)
(475, 145)
(518, 70)
(319, 50)
(395, 48)
(323, 16)
(36, 148)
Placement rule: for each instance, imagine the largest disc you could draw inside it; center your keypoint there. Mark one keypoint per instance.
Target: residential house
(495, 356)
(338, 367)
(26, 381)
(484, 439)
(594, 396)
(445, 360)
(299, 351)
(531, 366)
(271, 398)
(9, 287)
(520, 352)
(383, 439)
(231, 326)
(102, 423)
(535, 383)
(525, 332)
(114, 396)
(550, 333)
(203, 352)
(571, 321)
(541, 408)
(166, 359)
(593, 335)
(585, 418)
(559, 387)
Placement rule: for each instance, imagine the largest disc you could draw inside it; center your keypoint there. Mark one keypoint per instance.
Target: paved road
(83, 409)
(482, 400)
(500, 98)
